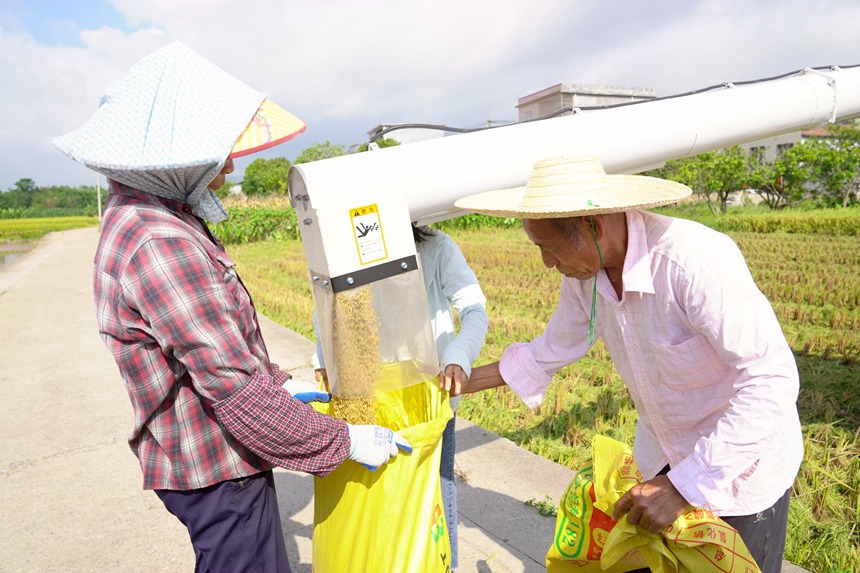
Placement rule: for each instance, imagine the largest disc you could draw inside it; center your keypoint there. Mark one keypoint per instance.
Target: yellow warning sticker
(367, 229)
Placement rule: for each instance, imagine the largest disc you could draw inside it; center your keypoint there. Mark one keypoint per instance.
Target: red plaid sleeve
(279, 375)
(283, 430)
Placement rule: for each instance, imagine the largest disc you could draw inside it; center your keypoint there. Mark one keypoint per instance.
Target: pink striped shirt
(698, 345)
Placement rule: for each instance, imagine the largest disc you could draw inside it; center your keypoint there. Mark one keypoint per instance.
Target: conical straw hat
(270, 126)
(573, 186)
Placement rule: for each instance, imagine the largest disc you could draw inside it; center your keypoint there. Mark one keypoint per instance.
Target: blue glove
(306, 391)
(372, 446)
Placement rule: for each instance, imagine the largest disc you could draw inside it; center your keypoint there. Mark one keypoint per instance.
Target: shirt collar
(122, 189)
(636, 275)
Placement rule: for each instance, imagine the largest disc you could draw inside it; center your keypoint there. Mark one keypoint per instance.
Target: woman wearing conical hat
(211, 417)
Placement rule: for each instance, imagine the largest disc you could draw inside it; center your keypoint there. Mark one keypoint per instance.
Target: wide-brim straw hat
(574, 186)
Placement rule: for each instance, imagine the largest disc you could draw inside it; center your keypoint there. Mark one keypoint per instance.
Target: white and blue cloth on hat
(167, 127)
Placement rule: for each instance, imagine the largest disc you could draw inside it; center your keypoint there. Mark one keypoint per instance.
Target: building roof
(820, 131)
(588, 89)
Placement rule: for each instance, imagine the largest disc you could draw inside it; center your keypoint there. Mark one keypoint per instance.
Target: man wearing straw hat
(211, 417)
(698, 345)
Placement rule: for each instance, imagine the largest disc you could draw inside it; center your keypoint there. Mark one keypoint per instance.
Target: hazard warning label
(367, 229)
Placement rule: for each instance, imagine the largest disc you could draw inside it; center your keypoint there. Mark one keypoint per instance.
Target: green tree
(19, 196)
(785, 181)
(319, 151)
(837, 169)
(384, 142)
(25, 186)
(53, 201)
(714, 174)
(826, 168)
(266, 176)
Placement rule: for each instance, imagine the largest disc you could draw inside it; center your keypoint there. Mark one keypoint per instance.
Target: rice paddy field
(811, 278)
(813, 281)
(19, 230)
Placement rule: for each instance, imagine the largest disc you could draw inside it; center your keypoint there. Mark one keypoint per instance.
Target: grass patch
(812, 280)
(819, 315)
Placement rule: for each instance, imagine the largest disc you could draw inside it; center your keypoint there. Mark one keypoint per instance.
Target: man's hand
(322, 376)
(453, 379)
(653, 505)
(482, 378)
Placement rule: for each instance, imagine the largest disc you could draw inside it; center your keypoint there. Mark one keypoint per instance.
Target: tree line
(269, 176)
(824, 171)
(25, 199)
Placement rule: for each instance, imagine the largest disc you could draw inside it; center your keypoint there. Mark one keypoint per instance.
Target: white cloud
(715, 41)
(346, 66)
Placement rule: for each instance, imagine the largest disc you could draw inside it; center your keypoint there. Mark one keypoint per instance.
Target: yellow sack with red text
(391, 519)
(587, 540)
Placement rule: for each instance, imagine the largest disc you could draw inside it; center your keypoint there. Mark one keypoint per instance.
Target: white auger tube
(631, 138)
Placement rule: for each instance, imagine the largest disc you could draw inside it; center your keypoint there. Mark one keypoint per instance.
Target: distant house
(769, 149)
(560, 96)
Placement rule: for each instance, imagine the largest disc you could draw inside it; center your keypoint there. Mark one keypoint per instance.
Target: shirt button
(632, 347)
(622, 309)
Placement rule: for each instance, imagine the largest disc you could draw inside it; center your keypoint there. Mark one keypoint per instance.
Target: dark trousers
(763, 534)
(235, 526)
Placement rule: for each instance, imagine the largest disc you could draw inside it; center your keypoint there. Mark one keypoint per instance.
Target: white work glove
(306, 391)
(372, 446)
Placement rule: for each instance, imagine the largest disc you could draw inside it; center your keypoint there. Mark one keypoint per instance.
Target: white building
(560, 96)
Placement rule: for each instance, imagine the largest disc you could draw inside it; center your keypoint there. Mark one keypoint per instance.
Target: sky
(346, 66)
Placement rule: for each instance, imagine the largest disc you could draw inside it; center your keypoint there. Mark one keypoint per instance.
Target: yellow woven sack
(391, 519)
(588, 541)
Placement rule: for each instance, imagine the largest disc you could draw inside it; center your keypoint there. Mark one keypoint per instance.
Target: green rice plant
(846, 224)
(472, 221)
(21, 230)
(277, 277)
(814, 284)
(802, 220)
(251, 224)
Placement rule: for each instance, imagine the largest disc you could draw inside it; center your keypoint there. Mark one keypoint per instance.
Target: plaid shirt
(207, 402)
